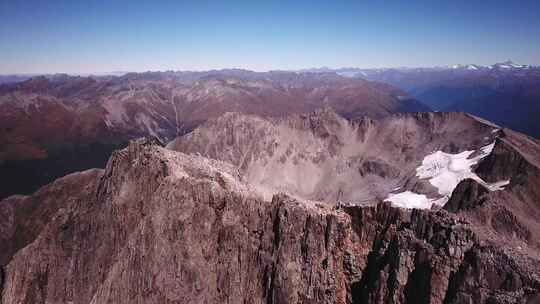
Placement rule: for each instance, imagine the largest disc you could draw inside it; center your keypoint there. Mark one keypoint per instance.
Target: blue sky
(103, 36)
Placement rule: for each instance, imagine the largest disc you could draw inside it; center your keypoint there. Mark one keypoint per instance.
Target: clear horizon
(48, 37)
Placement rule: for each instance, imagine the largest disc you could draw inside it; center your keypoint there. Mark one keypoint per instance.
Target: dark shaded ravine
(26, 176)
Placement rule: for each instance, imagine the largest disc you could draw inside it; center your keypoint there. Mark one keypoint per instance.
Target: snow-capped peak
(470, 67)
(508, 65)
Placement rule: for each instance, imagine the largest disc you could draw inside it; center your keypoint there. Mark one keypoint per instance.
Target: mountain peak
(508, 64)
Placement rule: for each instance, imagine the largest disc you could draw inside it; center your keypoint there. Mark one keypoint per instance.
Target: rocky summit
(210, 222)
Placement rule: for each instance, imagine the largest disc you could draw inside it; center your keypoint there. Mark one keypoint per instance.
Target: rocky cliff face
(323, 156)
(511, 215)
(23, 217)
(158, 226)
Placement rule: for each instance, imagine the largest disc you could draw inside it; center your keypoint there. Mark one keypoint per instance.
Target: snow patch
(497, 186)
(445, 171)
(410, 199)
(349, 74)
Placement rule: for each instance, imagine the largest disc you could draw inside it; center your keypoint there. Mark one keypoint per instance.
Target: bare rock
(467, 194)
(166, 227)
(323, 156)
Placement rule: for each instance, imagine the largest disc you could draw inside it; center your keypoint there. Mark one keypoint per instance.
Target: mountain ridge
(357, 160)
(45, 122)
(506, 93)
(166, 226)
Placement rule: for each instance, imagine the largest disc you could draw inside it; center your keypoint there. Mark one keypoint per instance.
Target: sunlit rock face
(286, 210)
(159, 226)
(412, 160)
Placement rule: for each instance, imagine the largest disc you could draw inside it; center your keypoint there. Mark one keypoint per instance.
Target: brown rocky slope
(323, 156)
(51, 126)
(158, 226)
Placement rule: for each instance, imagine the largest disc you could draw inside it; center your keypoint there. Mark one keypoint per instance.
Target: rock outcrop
(24, 217)
(323, 156)
(511, 216)
(158, 226)
(467, 195)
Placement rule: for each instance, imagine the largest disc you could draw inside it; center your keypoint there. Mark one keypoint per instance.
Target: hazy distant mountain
(13, 78)
(506, 93)
(52, 125)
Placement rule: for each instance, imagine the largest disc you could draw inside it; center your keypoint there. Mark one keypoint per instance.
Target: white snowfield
(444, 171)
(410, 199)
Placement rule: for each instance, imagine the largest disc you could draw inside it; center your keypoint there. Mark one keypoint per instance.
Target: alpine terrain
(506, 93)
(184, 152)
(54, 125)
(302, 208)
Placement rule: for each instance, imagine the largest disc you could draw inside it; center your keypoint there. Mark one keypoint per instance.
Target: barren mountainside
(232, 218)
(323, 156)
(136, 168)
(51, 126)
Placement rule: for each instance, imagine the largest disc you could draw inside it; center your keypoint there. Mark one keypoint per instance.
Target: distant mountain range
(506, 93)
(278, 187)
(48, 122)
(369, 72)
(56, 124)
